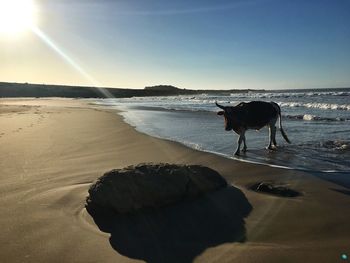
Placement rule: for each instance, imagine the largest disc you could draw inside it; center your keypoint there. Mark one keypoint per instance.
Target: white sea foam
(316, 105)
(310, 117)
(289, 94)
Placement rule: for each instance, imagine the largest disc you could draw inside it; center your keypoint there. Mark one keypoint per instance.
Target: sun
(16, 16)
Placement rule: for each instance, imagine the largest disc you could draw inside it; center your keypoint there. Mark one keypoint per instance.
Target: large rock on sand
(151, 186)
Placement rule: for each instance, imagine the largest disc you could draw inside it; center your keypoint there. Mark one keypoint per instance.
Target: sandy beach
(51, 150)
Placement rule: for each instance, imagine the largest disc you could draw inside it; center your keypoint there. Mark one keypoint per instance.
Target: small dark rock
(270, 188)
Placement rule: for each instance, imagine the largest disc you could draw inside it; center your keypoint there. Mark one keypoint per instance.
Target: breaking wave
(310, 117)
(290, 94)
(315, 105)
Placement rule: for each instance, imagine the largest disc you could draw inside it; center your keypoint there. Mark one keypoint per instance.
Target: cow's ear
(220, 113)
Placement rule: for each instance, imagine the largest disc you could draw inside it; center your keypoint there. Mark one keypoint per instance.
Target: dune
(53, 150)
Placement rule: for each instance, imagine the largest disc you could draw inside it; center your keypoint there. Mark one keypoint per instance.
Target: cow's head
(228, 125)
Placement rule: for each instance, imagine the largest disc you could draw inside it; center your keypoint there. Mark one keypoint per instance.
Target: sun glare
(16, 16)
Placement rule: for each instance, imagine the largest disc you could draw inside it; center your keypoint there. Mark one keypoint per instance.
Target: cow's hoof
(244, 150)
(271, 148)
(237, 153)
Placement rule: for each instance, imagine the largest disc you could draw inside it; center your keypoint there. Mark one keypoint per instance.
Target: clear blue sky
(269, 44)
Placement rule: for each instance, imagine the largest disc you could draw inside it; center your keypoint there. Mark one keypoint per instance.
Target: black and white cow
(252, 115)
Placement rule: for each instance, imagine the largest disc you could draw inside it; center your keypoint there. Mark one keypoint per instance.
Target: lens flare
(69, 60)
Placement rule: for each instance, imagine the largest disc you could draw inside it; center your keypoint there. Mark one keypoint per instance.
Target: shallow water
(317, 123)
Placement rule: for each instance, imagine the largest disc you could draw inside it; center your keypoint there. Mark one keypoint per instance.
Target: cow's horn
(221, 107)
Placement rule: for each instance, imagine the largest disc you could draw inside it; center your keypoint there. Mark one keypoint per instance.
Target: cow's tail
(280, 117)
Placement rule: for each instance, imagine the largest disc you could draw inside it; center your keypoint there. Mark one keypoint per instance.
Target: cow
(252, 115)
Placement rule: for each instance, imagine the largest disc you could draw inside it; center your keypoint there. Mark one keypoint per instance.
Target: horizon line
(141, 88)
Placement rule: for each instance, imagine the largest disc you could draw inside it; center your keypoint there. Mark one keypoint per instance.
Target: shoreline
(257, 154)
(51, 152)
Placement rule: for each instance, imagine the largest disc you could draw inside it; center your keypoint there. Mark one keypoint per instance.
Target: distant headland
(9, 89)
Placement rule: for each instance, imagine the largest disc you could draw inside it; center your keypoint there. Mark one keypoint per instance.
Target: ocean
(316, 121)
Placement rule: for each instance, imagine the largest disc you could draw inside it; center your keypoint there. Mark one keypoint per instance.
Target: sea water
(316, 121)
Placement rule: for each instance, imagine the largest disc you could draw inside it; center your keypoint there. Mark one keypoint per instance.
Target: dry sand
(52, 150)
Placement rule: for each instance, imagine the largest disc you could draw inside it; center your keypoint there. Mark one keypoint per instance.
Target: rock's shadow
(180, 232)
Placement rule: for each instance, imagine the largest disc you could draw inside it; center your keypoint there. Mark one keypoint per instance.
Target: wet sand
(52, 150)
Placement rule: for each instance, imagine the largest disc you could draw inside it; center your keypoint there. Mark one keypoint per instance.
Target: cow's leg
(272, 143)
(239, 142)
(274, 136)
(244, 143)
